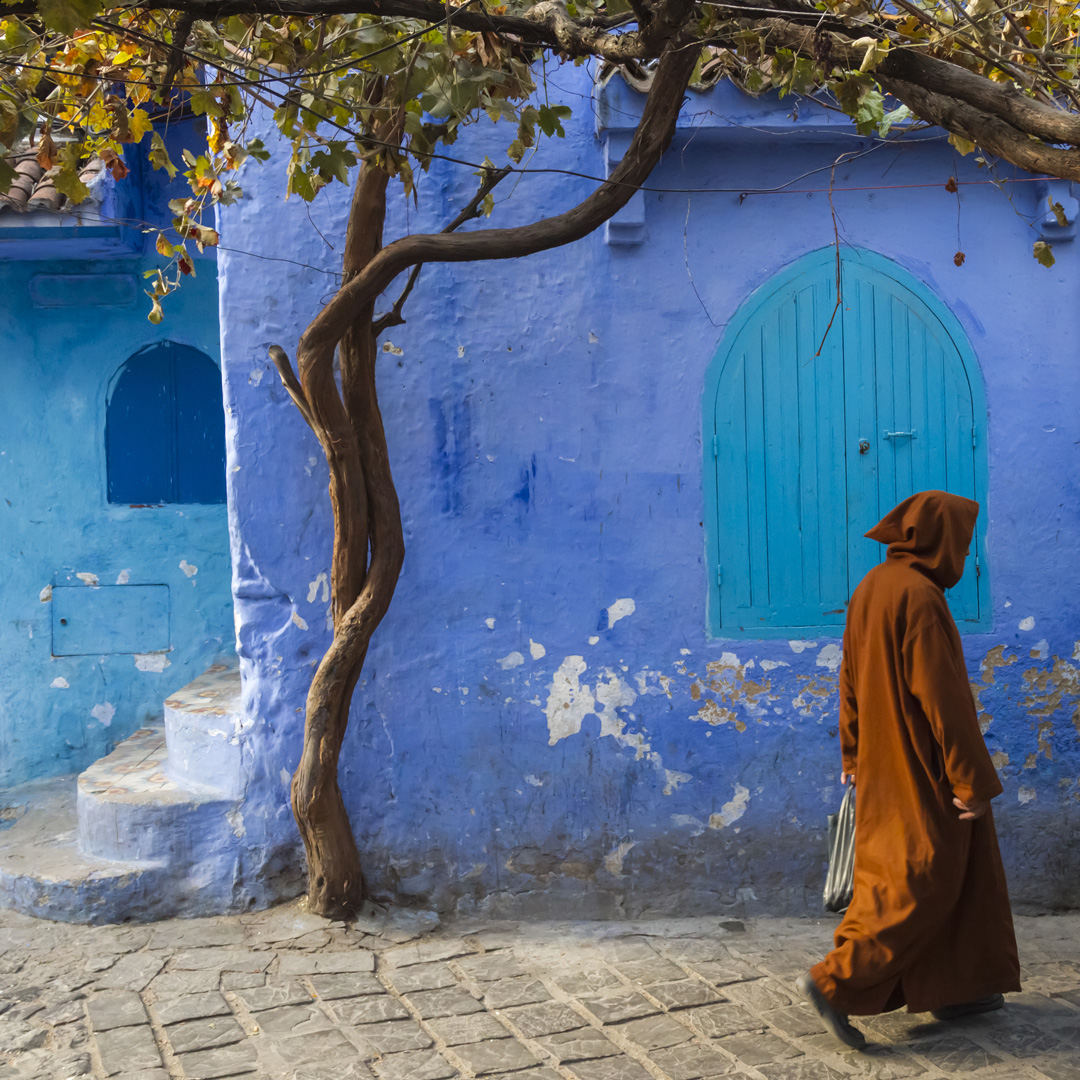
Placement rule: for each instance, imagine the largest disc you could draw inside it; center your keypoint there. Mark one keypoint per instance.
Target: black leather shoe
(990, 1003)
(837, 1024)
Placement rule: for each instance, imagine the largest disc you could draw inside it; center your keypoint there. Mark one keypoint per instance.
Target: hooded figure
(929, 924)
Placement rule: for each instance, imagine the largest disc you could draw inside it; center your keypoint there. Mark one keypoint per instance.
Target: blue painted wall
(543, 717)
(68, 326)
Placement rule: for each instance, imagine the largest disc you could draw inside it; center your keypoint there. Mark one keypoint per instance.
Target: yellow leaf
(140, 123)
(963, 145)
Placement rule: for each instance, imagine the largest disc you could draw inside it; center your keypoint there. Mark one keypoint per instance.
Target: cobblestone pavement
(282, 995)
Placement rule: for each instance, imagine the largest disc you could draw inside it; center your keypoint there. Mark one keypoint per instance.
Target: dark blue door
(165, 429)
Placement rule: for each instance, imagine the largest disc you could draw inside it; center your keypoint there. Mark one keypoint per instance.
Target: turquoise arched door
(806, 452)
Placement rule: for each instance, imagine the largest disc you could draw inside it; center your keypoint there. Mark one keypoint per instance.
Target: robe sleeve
(849, 710)
(935, 673)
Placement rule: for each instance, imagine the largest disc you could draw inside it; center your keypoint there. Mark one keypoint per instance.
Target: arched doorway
(805, 452)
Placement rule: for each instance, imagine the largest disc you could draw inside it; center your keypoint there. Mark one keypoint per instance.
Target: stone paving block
(346, 985)
(588, 983)
(801, 1070)
(716, 1021)
(420, 952)
(620, 1068)
(759, 995)
(629, 948)
(955, 1053)
(344, 1070)
(18, 1036)
(392, 1037)
(175, 983)
(241, 980)
(759, 1048)
(797, 1020)
(547, 1018)
(292, 1020)
(149, 1074)
(220, 960)
(128, 1049)
(321, 1048)
(456, 1030)
(884, 1063)
(653, 970)
(203, 1034)
(505, 993)
(191, 1007)
(725, 972)
(578, 1045)
(132, 972)
(1019, 1039)
(117, 1010)
(369, 1010)
(691, 1062)
(684, 994)
(66, 1012)
(623, 1005)
(422, 977)
(533, 1074)
(496, 1056)
(453, 1001)
(195, 934)
(414, 1065)
(222, 1061)
(655, 1032)
(327, 963)
(1059, 1069)
(272, 995)
(490, 966)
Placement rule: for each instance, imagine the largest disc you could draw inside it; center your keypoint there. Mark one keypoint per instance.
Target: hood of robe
(931, 531)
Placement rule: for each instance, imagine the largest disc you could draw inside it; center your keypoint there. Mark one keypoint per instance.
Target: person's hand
(970, 810)
(847, 777)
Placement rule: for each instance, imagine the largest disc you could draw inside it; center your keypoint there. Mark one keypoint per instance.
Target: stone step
(44, 873)
(131, 808)
(204, 729)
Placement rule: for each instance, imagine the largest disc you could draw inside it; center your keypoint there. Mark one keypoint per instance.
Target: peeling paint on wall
(732, 810)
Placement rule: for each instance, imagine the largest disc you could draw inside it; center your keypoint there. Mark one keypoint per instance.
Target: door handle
(899, 434)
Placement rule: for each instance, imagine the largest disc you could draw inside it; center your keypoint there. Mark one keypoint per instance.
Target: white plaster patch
(1041, 651)
(154, 661)
(236, 823)
(311, 463)
(1076, 650)
(536, 650)
(569, 700)
(613, 860)
(59, 683)
(313, 588)
(511, 660)
(594, 640)
(801, 646)
(188, 569)
(461, 352)
(732, 810)
(772, 665)
(684, 652)
(533, 781)
(123, 577)
(695, 826)
(88, 579)
(593, 339)
(619, 610)
(392, 349)
(489, 623)
(1026, 795)
(285, 778)
(1008, 603)
(104, 713)
(675, 780)
(1027, 623)
(256, 376)
(296, 618)
(46, 595)
(829, 657)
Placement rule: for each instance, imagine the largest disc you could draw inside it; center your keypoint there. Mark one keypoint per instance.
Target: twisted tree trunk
(348, 424)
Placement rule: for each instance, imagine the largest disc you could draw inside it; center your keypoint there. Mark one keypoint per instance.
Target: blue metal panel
(165, 437)
(808, 451)
(110, 619)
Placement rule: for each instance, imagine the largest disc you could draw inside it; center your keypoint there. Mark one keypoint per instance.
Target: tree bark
(349, 426)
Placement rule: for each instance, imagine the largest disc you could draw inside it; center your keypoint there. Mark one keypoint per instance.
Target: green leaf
(7, 176)
(870, 113)
(516, 151)
(1059, 212)
(1044, 253)
(550, 119)
(159, 156)
(67, 16)
(334, 162)
(894, 116)
(67, 182)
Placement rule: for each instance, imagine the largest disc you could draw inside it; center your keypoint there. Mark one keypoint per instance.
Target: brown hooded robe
(929, 924)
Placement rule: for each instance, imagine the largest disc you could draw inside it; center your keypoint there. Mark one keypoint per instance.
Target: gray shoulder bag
(840, 880)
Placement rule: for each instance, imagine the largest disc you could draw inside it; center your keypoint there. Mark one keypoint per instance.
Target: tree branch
(291, 382)
(654, 132)
(393, 317)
